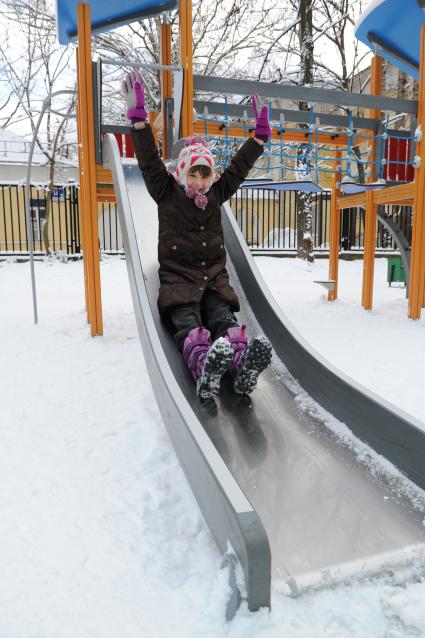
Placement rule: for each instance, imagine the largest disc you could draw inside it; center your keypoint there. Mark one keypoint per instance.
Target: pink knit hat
(194, 153)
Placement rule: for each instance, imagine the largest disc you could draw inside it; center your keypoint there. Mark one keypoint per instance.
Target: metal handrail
(46, 106)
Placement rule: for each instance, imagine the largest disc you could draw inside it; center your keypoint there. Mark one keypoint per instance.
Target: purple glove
(132, 89)
(261, 116)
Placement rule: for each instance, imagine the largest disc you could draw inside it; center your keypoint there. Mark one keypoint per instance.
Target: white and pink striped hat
(194, 153)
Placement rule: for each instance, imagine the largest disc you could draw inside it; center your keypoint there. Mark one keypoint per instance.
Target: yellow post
(371, 208)
(185, 17)
(166, 82)
(369, 251)
(335, 228)
(417, 260)
(80, 163)
(88, 171)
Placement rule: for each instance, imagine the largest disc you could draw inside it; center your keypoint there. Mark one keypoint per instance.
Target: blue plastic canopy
(106, 14)
(252, 181)
(352, 188)
(296, 185)
(393, 28)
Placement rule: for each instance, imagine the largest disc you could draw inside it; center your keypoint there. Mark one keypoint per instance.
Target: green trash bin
(395, 271)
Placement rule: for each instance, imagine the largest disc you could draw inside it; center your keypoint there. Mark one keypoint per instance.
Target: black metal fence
(268, 221)
(63, 231)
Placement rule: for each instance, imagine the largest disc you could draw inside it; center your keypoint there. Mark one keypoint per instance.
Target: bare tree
(315, 53)
(34, 66)
(333, 17)
(304, 199)
(231, 38)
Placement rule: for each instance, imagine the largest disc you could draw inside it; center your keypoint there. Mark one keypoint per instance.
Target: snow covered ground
(380, 348)
(100, 535)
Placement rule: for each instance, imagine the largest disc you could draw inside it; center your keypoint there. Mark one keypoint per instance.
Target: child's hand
(132, 88)
(261, 116)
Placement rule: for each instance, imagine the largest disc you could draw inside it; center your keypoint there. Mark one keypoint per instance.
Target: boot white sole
(258, 356)
(217, 362)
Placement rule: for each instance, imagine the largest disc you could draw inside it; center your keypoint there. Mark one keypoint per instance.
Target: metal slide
(280, 494)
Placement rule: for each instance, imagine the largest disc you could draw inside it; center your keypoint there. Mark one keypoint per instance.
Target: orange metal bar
(371, 222)
(83, 190)
(351, 201)
(88, 168)
(88, 279)
(166, 81)
(417, 260)
(103, 175)
(104, 185)
(395, 194)
(371, 208)
(217, 129)
(105, 195)
(80, 166)
(335, 229)
(85, 204)
(185, 21)
(402, 194)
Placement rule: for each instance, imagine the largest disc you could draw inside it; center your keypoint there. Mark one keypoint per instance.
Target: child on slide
(195, 293)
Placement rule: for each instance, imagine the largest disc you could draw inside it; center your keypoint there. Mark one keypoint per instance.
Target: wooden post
(335, 227)
(417, 260)
(80, 164)
(185, 15)
(371, 208)
(88, 171)
(369, 251)
(166, 82)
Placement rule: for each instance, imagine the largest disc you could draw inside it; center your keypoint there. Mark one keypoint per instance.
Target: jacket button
(201, 288)
(204, 243)
(203, 263)
(201, 227)
(174, 247)
(205, 278)
(221, 246)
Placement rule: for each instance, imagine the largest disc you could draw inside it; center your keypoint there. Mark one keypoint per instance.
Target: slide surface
(274, 484)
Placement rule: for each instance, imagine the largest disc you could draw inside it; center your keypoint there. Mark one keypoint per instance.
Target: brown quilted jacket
(191, 250)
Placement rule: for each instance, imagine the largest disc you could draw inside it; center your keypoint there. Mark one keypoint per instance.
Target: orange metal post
(335, 230)
(185, 16)
(371, 222)
(417, 260)
(88, 170)
(371, 208)
(85, 233)
(166, 81)
(80, 164)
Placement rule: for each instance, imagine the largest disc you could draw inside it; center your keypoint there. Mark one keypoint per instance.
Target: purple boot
(206, 361)
(249, 360)
(239, 342)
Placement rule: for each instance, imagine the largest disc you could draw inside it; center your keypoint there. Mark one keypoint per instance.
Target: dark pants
(213, 313)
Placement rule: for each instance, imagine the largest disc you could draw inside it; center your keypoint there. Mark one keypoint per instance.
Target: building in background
(14, 153)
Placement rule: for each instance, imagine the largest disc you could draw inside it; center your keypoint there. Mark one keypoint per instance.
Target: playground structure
(256, 471)
(328, 142)
(234, 124)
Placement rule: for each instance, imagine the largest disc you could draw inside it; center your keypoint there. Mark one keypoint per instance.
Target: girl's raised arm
(249, 152)
(156, 176)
